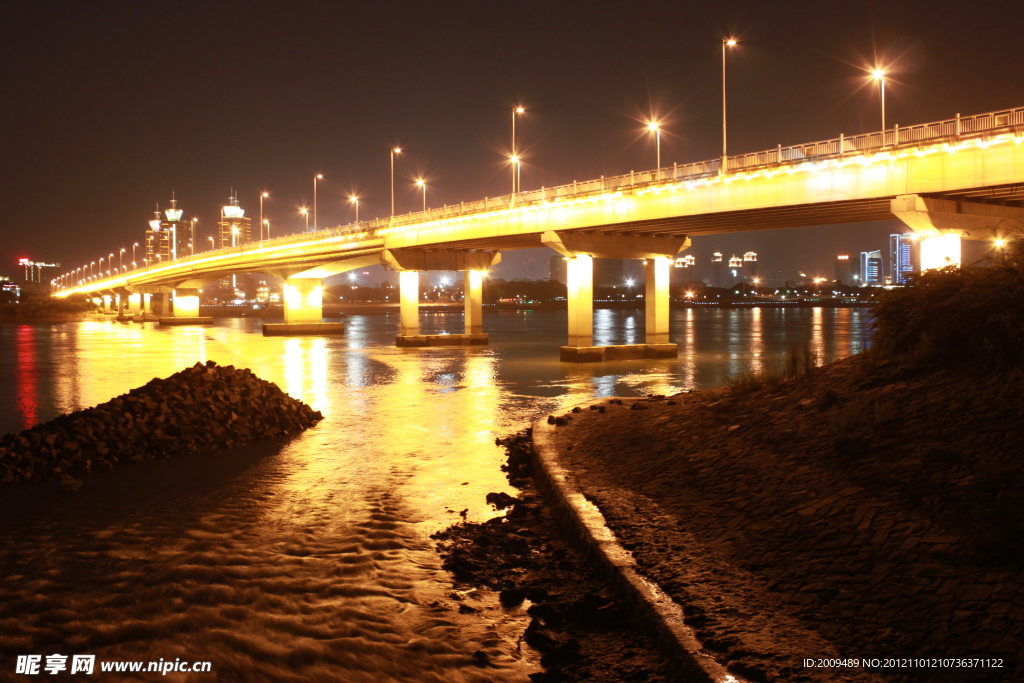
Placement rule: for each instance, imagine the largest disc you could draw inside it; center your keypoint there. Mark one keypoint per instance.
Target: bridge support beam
(303, 310)
(580, 249)
(135, 304)
(409, 263)
(944, 224)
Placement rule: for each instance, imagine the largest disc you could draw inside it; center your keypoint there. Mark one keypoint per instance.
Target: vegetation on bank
(45, 306)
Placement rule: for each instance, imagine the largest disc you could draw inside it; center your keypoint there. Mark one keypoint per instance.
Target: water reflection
(318, 544)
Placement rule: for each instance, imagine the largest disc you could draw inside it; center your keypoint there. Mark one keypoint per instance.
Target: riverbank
(864, 512)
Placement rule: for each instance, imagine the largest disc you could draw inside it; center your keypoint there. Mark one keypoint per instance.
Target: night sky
(109, 106)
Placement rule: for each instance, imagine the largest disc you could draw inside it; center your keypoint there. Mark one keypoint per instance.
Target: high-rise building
(169, 238)
(871, 268)
(904, 257)
(844, 270)
(37, 272)
(750, 264)
(234, 228)
(717, 270)
(557, 269)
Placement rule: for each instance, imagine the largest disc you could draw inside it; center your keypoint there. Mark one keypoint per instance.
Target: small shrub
(750, 381)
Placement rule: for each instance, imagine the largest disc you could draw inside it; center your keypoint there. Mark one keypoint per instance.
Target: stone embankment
(865, 512)
(202, 408)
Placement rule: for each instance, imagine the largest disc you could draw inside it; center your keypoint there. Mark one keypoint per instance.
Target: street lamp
(354, 199)
(516, 111)
(516, 164)
(305, 212)
(120, 259)
(266, 223)
(394, 151)
(318, 176)
(133, 252)
(879, 75)
(264, 195)
(655, 128)
(726, 43)
(422, 184)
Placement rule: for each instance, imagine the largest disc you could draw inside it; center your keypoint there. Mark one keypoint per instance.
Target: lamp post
(136, 244)
(394, 151)
(305, 212)
(726, 43)
(422, 184)
(101, 267)
(264, 195)
(516, 111)
(516, 162)
(212, 245)
(192, 237)
(354, 199)
(655, 128)
(120, 259)
(318, 176)
(266, 224)
(879, 75)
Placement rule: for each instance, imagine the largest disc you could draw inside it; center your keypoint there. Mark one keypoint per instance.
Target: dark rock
(511, 597)
(639, 406)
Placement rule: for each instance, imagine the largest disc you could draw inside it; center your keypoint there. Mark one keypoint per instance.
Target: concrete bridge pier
(303, 310)
(581, 249)
(409, 262)
(943, 225)
(186, 309)
(135, 304)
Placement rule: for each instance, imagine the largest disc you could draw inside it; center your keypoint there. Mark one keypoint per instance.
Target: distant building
(682, 269)
(37, 272)
(844, 270)
(234, 228)
(750, 264)
(557, 269)
(871, 273)
(904, 257)
(717, 270)
(169, 238)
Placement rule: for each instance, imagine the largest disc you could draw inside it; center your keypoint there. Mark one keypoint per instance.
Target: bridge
(961, 178)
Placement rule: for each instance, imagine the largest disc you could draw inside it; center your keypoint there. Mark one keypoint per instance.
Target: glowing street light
(394, 151)
(999, 243)
(422, 184)
(120, 259)
(879, 75)
(266, 224)
(516, 111)
(212, 247)
(264, 195)
(134, 246)
(305, 212)
(655, 127)
(318, 176)
(354, 199)
(726, 43)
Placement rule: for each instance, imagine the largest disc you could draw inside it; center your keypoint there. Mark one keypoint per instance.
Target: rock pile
(205, 407)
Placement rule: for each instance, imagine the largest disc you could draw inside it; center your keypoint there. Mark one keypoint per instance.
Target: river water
(309, 558)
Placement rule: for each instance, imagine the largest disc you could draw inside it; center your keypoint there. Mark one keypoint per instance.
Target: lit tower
(234, 228)
(750, 264)
(181, 232)
(158, 241)
(717, 277)
(736, 266)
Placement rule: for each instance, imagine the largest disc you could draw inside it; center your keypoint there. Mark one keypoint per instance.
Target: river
(309, 558)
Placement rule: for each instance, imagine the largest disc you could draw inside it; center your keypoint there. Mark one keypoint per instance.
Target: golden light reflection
(818, 333)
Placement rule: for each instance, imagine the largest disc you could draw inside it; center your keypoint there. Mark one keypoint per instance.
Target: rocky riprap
(202, 408)
(578, 627)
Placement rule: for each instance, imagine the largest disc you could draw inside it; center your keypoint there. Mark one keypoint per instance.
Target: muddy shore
(860, 513)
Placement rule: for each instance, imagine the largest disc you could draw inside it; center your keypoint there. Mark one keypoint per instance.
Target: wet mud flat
(578, 627)
(862, 513)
